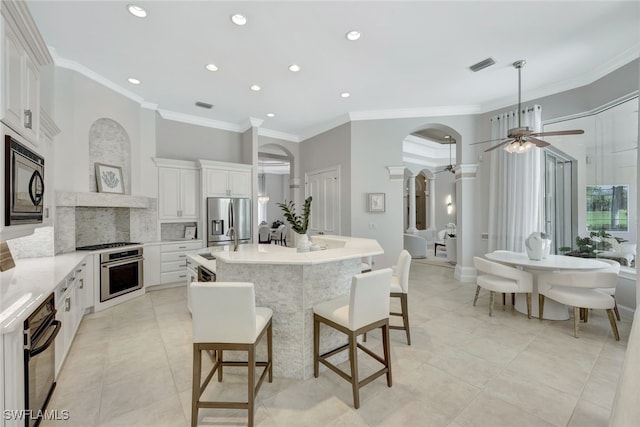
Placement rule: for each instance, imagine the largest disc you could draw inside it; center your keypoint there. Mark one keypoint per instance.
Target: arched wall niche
(109, 143)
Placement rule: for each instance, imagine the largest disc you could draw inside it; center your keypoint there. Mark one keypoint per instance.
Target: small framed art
(109, 179)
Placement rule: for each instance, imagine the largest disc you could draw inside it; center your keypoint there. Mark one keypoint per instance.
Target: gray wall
(184, 141)
(325, 150)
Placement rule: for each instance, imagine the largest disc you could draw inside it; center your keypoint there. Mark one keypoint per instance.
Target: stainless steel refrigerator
(225, 212)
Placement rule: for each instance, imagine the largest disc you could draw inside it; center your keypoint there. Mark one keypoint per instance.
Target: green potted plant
(299, 223)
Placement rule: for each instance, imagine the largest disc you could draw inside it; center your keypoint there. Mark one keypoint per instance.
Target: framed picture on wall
(375, 202)
(109, 179)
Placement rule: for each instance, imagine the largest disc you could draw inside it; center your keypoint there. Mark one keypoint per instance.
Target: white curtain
(515, 185)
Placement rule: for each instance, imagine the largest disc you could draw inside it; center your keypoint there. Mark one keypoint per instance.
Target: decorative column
(412, 203)
(432, 204)
(465, 218)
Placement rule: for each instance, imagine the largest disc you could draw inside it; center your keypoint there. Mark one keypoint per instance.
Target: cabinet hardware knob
(67, 304)
(183, 275)
(81, 284)
(28, 119)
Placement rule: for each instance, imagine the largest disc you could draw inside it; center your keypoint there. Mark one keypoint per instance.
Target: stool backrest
(369, 298)
(264, 233)
(223, 312)
(404, 264)
(614, 266)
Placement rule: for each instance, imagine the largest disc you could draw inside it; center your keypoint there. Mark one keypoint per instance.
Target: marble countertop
(336, 248)
(24, 287)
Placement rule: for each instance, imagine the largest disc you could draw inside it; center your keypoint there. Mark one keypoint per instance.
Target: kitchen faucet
(232, 230)
(234, 235)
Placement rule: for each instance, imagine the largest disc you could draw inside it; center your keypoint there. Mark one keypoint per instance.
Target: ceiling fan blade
(539, 143)
(559, 132)
(508, 141)
(488, 140)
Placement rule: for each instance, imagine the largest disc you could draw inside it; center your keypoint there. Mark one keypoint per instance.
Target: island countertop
(334, 248)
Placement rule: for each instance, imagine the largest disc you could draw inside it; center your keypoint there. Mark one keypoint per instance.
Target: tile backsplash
(175, 230)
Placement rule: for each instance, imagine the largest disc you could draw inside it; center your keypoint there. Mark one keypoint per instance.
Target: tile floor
(131, 366)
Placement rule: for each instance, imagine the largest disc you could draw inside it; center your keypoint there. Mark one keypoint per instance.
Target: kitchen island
(291, 283)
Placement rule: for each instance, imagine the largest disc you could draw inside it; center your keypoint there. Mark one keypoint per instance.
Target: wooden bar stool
(225, 317)
(364, 309)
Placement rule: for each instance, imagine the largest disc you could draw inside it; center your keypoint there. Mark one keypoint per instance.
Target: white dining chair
(264, 234)
(614, 267)
(498, 277)
(579, 289)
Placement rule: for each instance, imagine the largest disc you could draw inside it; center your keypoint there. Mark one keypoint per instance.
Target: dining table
(553, 310)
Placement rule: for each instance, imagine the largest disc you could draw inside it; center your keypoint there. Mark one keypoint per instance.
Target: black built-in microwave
(24, 184)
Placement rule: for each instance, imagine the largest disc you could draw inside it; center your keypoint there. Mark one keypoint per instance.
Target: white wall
(79, 103)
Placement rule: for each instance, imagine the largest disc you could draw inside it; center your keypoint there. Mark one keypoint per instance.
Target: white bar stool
(364, 309)
(225, 317)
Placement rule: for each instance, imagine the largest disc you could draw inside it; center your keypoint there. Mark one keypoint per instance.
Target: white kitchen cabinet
(220, 179)
(173, 261)
(178, 193)
(70, 305)
(21, 84)
(85, 284)
(151, 265)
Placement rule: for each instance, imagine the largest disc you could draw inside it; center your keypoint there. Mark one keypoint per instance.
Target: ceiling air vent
(204, 105)
(482, 65)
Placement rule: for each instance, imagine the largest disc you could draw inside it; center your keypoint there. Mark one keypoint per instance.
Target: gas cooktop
(105, 246)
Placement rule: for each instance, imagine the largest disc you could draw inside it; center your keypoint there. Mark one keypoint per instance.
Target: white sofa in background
(415, 245)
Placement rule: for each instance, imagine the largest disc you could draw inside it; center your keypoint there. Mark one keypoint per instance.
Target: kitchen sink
(208, 256)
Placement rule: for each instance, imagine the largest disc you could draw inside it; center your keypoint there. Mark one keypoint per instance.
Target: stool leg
(353, 358)
(316, 345)
(270, 351)
(219, 365)
(513, 299)
(576, 316)
(387, 352)
(615, 309)
(251, 381)
(540, 306)
(195, 388)
(405, 316)
(528, 305)
(503, 299)
(475, 300)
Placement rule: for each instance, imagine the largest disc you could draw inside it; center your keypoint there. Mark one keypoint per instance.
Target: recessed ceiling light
(211, 67)
(353, 35)
(255, 88)
(270, 115)
(238, 19)
(136, 10)
(345, 94)
(133, 81)
(294, 67)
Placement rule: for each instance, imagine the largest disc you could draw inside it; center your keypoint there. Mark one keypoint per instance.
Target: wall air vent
(204, 105)
(482, 65)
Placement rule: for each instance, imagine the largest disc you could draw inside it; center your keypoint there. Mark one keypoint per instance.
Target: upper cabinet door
(190, 188)
(12, 83)
(21, 89)
(240, 184)
(216, 183)
(169, 193)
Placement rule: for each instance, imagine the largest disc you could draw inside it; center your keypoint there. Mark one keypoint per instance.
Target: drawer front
(173, 277)
(180, 246)
(173, 256)
(173, 266)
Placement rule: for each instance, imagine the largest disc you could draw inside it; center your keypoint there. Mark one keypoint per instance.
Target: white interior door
(324, 187)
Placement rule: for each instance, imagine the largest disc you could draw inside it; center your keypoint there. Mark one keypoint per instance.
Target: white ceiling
(412, 58)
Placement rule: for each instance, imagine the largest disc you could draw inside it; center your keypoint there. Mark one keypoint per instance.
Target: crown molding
(321, 128)
(396, 173)
(200, 121)
(278, 135)
(98, 78)
(47, 125)
(18, 17)
(407, 113)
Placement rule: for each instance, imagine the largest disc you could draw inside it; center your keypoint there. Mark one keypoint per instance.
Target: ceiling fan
(521, 138)
(450, 167)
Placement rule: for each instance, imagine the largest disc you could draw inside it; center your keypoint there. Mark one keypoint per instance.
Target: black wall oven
(40, 331)
(24, 184)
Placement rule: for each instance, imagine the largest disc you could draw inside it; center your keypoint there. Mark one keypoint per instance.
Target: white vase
(537, 245)
(303, 244)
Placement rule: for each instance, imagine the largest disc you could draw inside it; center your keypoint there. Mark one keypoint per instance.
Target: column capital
(396, 173)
